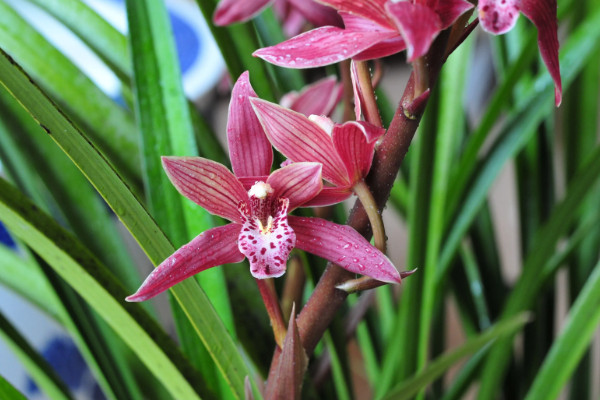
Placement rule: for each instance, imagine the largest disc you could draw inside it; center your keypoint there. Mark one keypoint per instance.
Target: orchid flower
(344, 150)
(500, 16)
(293, 12)
(257, 205)
(373, 29)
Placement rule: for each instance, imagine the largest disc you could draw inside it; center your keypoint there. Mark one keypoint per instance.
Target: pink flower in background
(257, 204)
(319, 98)
(292, 12)
(499, 16)
(372, 29)
(344, 150)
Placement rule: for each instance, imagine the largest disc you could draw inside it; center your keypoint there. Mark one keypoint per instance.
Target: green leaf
(8, 391)
(23, 275)
(166, 129)
(526, 289)
(571, 344)
(133, 215)
(109, 125)
(39, 369)
(90, 279)
(412, 386)
(106, 41)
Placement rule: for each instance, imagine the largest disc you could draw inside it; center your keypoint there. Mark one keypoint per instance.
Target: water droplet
(355, 260)
(347, 245)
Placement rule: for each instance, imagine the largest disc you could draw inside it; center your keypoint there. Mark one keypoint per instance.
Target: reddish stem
(269, 296)
(371, 111)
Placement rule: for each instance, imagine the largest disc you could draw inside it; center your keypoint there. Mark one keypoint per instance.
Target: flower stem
(371, 110)
(269, 295)
(366, 198)
(421, 76)
(347, 82)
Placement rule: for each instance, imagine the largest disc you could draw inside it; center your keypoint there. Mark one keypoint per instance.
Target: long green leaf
(571, 344)
(166, 129)
(22, 275)
(193, 300)
(84, 273)
(450, 124)
(95, 31)
(8, 391)
(110, 126)
(409, 388)
(526, 290)
(39, 369)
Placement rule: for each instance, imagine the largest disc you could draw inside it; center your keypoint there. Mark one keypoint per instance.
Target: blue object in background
(5, 237)
(65, 359)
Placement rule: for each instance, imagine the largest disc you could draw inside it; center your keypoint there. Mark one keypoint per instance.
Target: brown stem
(266, 288)
(371, 110)
(293, 287)
(421, 74)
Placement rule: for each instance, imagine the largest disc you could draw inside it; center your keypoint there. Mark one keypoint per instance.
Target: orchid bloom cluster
(378, 28)
(257, 201)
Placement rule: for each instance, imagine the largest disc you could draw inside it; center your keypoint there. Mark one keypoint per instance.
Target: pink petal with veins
(267, 249)
(343, 246)
(356, 23)
(450, 10)
(373, 10)
(208, 184)
(418, 24)
(498, 16)
(249, 181)
(214, 247)
(320, 98)
(330, 195)
(298, 182)
(543, 16)
(355, 142)
(319, 47)
(249, 149)
(300, 139)
(231, 11)
(382, 49)
(317, 14)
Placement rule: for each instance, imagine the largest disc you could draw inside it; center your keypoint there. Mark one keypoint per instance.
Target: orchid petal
(319, 47)
(373, 10)
(382, 49)
(330, 195)
(320, 98)
(357, 23)
(231, 11)
(298, 182)
(497, 16)
(450, 10)
(267, 248)
(249, 149)
(317, 14)
(359, 98)
(208, 184)
(417, 23)
(249, 181)
(355, 142)
(343, 246)
(543, 16)
(216, 246)
(300, 139)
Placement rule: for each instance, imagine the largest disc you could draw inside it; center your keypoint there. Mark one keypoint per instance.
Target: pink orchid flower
(293, 12)
(500, 16)
(344, 150)
(373, 29)
(319, 98)
(257, 204)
